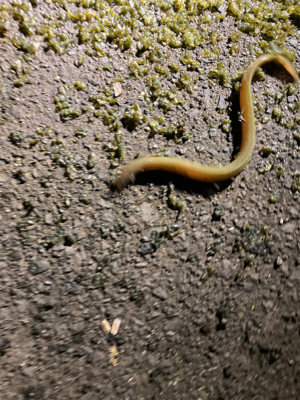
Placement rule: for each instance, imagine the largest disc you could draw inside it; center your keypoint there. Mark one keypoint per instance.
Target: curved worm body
(204, 173)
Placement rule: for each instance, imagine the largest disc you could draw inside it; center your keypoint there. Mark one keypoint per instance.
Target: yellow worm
(205, 173)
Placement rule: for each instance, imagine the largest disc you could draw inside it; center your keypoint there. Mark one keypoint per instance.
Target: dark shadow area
(235, 123)
(277, 71)
(181, 183)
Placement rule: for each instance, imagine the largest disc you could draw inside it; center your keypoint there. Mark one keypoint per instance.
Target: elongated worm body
(204, 173)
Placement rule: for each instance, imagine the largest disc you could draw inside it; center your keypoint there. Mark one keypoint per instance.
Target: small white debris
(104, 325)
(117, 89)
(115, 326)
